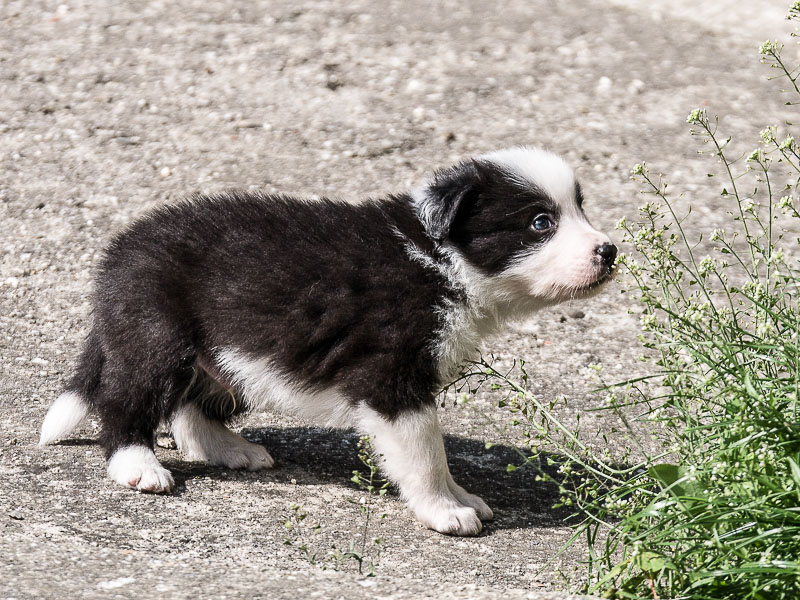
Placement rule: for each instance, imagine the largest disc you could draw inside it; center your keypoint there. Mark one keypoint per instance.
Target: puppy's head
(515, 216)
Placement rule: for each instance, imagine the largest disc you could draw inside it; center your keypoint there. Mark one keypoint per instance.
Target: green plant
(303, 536)
(309, 540)
(374, 486)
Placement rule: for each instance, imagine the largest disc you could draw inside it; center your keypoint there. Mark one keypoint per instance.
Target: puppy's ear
(448, 191)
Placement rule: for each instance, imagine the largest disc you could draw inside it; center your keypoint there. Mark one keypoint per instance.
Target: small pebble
(636, 86)
(603, 85)
(164, 440)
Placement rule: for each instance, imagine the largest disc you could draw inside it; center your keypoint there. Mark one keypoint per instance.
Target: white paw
(464, 497)
(448, 517)
(231, 451)
(206, 440)
(138, 468)
(241, 454)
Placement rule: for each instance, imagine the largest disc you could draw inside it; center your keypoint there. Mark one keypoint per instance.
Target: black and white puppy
(352, 315)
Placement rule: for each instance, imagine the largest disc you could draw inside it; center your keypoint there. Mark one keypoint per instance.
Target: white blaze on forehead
(545, 170)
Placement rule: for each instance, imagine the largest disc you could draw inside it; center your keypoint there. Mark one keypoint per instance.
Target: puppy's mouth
(606, 276)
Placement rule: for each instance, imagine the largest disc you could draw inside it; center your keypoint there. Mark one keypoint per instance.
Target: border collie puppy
(351, 315)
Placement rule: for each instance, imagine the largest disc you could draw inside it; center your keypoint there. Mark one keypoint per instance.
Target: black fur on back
(325, 289)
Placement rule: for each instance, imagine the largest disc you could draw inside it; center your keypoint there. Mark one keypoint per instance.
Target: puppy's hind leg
(209, 440)
(132, 399)
(411, 452)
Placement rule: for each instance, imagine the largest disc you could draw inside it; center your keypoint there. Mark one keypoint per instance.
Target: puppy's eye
(542, 223)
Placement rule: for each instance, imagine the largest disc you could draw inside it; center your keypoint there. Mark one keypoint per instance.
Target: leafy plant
(309, 540)
(302, 536)
(367, 552)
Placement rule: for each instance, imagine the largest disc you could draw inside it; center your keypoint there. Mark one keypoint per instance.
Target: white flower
(697, 116)
(777, 256)
(756, 156)
(786, 203)
(768, 134)
(706, 266)
(648, 321)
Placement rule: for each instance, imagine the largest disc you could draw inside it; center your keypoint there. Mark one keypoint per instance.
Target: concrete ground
(110, 108)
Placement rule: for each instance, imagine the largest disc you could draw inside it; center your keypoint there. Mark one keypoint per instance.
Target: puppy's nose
(608, 253)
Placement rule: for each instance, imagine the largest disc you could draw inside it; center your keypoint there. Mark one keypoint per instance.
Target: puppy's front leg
(411, 452)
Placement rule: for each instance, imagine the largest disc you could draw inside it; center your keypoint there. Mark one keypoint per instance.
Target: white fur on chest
(467, 323)
(263, 386)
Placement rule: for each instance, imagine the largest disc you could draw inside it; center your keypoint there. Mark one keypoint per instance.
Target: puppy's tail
(67, 413)
(72, 407)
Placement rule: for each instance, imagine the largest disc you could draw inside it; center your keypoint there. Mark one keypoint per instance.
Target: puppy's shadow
(314, 456)
(77, 442)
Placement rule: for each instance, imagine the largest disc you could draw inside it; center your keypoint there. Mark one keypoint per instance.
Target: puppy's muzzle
(606, 254)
